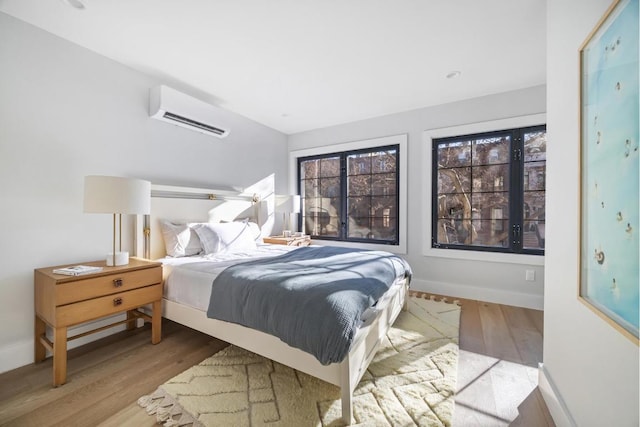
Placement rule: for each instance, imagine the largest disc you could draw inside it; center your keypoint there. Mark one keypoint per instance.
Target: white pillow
(225, 237)
(179, 239)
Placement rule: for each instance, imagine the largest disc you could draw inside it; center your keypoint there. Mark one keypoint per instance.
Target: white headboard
(186, 204)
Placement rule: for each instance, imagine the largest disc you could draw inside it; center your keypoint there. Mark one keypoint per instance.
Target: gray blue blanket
(311, 298)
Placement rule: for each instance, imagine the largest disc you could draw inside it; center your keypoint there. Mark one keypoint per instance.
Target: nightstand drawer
(83, 311)
(89, 288)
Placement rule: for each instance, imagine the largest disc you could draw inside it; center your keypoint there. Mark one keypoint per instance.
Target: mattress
(188, 279)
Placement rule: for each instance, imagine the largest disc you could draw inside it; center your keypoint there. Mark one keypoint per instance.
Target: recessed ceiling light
(76, 4)
(454, 74)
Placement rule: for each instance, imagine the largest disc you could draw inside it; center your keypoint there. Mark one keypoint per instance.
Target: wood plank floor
(500, 347)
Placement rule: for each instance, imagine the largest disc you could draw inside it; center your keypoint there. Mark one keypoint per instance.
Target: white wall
(594, 367)
(502, 279)
(66, 112)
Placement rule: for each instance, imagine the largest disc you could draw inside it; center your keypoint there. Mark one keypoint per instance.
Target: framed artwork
(610, 165)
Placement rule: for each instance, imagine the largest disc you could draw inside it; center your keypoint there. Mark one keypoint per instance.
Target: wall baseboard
(553, 399)
(517, 299)
(20, 353)
(16, 355)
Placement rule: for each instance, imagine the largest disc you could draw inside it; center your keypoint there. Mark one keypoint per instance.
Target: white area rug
(411, 381)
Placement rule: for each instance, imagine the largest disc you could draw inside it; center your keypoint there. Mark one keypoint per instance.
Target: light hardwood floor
(500, 347)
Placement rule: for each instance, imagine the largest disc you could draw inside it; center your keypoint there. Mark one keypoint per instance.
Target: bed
(188, 205)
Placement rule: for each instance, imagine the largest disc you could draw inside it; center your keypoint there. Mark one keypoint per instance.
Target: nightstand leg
(40, 352)
(156, 322)
(59, 356)
(132, 321)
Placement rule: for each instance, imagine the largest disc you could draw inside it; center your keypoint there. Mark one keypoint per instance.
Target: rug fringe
(434, 297)
(167, 410)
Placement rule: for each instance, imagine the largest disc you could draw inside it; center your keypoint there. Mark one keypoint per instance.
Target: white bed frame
(170, 203)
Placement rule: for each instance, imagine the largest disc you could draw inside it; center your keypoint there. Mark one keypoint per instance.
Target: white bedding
(188, 279)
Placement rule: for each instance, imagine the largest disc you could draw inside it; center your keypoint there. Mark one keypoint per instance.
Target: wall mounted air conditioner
(180, 109)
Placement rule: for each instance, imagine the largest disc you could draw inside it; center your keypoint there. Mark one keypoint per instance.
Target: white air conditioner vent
(174, 107)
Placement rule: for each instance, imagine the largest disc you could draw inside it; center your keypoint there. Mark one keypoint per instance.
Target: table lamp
(288, 205)
(117, 196)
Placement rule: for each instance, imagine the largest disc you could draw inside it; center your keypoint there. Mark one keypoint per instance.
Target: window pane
(454, 154)
(454, 180)
(455, 231)
(533, 224)
(359, 185)
(384, 161)
(321, 217)
(451, 206)
(330, 187)
(447, 232)
(359, 206)
(490, 205)
(383, 203)
(372, 228)
(359, 222)
(310, 188)
(359, 164)
(533, 235)
(491, 178)
(383, 228)
(372, 217)
(533, 205)
(359, 228)
(492, 150)
(365, 206)
(535, 146)
(330, 167)
(534, 176)
(492, 232)
(383, 184)
(309, 169)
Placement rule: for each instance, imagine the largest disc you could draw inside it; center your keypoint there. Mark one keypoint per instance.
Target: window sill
(400, 249)
(485, 256)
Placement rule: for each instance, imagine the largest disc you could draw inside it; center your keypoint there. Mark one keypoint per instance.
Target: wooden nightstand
(289, 241)
(62, 301)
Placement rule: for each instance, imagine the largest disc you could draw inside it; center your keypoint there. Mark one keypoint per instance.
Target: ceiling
(296, 65)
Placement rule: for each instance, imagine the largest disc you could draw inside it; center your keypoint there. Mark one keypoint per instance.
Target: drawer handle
(117, 301)
(117, 282)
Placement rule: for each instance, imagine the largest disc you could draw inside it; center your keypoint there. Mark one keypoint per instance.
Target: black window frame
(516, 191)
(344, 231)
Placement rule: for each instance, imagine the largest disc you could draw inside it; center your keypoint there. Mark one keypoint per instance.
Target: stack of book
(77, 270)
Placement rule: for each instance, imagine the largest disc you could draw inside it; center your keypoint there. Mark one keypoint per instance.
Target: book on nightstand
(77, 270)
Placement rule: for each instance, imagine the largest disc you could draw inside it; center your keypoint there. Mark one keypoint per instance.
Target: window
(489, 191)
(351, 196)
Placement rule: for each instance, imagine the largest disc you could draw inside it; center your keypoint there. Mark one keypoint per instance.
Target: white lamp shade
(116, 195)
(289, 204)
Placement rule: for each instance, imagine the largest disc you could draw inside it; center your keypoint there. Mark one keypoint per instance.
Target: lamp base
(122, 258)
